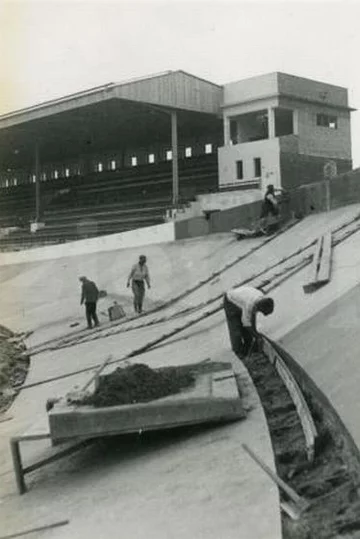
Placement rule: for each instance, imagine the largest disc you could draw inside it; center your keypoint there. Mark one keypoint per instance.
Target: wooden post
(37, 181)
(175, 160)
(18, 469)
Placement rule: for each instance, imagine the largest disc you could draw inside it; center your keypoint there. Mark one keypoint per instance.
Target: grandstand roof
(172, 89)
(128, 113)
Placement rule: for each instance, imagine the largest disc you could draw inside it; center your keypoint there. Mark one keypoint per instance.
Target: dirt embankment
(13, 366)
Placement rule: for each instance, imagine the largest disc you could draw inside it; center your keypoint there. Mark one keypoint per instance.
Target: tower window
(168, 155)
(324, 120)
(151, 158)
(257, 167)
(134, 161)
(208, 148)
(239, 170)
(188, 151)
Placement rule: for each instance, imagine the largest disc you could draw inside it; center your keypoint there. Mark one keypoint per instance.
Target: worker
(89, 295)
(270, 206)
(241, 306)
(139, 274)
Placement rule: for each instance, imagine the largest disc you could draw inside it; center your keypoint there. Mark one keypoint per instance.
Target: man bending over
(241, 306)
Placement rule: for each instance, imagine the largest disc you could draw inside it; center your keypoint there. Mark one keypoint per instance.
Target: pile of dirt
(139, 383)
(13, 367)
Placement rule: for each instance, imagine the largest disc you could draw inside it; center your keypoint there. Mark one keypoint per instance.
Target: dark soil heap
(13, 367)
(138, 383)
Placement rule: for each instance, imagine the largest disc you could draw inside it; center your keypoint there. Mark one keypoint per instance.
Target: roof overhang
(114, 116)
(289, 97)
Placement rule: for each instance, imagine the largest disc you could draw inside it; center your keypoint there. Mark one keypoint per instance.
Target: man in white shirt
(139, 274)
(241, 306)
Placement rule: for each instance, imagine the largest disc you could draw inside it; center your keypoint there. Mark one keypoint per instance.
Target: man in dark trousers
(139, 274)
(241, 306)
(89, 295)
(270, 206)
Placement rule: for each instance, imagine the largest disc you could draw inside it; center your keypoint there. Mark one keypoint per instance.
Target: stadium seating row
(102, 203)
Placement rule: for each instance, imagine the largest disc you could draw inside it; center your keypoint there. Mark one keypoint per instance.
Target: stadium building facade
(116, 157)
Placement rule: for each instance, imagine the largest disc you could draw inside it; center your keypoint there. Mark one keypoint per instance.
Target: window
(151, 158)
(324, 120)
(6, 183)
(168, 155)
(239, 170)
(15, 182)
(188, 151)
(257, 167)
(56, 174)
(208, 148)
(113, 164)
(43, 176)
(67, 172)
(33, 179)
(99, 167)
(134, 161)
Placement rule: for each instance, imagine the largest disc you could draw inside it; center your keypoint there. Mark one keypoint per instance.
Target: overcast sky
(52, 48)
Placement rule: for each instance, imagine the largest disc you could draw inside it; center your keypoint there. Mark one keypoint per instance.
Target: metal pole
(37, 181)
(175, 159)
(327, 191)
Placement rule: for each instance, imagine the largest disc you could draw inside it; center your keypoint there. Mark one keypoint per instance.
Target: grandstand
(110, 159)
(123, 156)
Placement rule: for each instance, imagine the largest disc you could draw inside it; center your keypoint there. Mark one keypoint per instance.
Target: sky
(51, 48)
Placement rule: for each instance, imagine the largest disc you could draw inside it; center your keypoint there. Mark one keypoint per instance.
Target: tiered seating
(113, 201)
(17, 204)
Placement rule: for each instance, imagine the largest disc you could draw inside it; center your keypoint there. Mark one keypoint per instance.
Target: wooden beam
(325, 263)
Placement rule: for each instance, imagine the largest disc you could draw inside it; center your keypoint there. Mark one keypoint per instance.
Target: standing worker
(139, 274)
(241, 306)
(270, 206)
(89, 294)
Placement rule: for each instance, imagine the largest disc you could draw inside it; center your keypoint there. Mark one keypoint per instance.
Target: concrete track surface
(193, 484)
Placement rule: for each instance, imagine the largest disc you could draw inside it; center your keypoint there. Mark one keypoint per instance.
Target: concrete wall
(250, 89)
(225, 200)
(297, 170)
(312, 198)
(134, 238)
(269, 152)
(223, 221)
(191, 228)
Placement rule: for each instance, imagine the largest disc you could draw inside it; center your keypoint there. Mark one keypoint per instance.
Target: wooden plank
(294, 496)
(325, 262)
(307, 422)
(314, 268)
(303, 411)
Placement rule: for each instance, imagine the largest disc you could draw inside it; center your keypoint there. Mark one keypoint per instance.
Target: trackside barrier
(307, 422)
